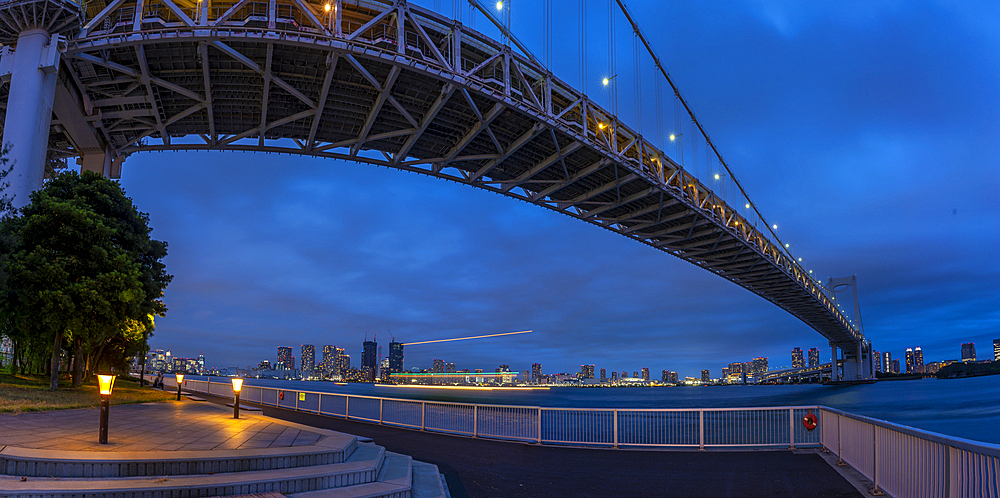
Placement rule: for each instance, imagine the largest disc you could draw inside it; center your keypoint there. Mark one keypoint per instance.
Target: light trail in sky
(467, 338)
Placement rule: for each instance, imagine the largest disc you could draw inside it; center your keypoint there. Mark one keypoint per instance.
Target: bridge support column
(32, 69)
(834, 367)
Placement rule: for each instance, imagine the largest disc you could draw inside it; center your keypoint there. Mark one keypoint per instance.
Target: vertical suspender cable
(611, 63)
(638, 84)
(583, 48)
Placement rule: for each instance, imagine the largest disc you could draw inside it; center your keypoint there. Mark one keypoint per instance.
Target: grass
(29, 393)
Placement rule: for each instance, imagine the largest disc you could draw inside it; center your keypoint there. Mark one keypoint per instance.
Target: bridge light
(500, 5)
(672, 137)
(786, 246)
(747, 205)
(601, 125)
(774, 227)
(326, 7)
(810, 271)
(716, 176)
(800, 260)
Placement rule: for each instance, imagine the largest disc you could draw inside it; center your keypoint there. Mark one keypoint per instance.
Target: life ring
(281, 395)
(809, 421)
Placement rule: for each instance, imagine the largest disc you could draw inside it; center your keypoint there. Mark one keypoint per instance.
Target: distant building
(760, 365)
(878, 361)
(705, 377)
(797, 361)
(369, 359)
(614, 377)
(449, 368)
(587, 371)
(308, 361)
(909, 360)
(918, 360)
(201, 364)
(330, 365)
(645, 374)
(285, 359)
(604, 376)
(264, 365)
(996, 349)
(635, 375)
(735, 368)
(886, 362)
(524, 377)
(895, 366)
(536, 372)
(395, 357)
(437, 366)
(969, 351)
(813, 357)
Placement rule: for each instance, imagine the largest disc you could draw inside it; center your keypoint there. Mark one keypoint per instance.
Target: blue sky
(868, 131)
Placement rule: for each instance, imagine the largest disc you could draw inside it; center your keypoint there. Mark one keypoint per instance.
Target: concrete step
(428, 481)
(395, 480)
(362, 467)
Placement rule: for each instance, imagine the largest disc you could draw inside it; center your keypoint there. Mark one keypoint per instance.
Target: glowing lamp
(326, 7)
(106, 383)
(499, 5)
(672, 136)
(605, 81)
(716, 176)
(180, 380)
(747, 206)
(237, 387)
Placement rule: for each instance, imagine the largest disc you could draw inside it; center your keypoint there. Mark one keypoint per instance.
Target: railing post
(876, 491)
(791, 428)
(296, 401)
(701, 429)
(319, 404)
(380, 404)
(616, 428)
(347, 407)
(423, 415)
(475, 420)
(840, 446)
(539, 425)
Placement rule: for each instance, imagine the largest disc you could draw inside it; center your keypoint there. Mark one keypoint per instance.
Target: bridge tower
(37, 31)
(858, 362)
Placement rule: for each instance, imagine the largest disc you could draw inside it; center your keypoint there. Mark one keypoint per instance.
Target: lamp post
(237, 387)
(106, 383)
(180, 379)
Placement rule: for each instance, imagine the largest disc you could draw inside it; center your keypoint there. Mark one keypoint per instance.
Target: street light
(180, 379)
(106, 383)
(237, 387)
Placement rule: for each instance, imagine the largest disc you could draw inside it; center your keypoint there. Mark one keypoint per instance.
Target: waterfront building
(201, 364)
(536, 372)
(308, 361)
(604, 376)
(969, 351)
(524, 377)
(343, 360)
(895, 366)
(813, 357)
(735, 368)
(725, 372)
(996, 349)
(437, 366)
(909, 360)
(624, 375)
(797, 360)
(704, 376)
(587, 371)
(887, 361)
(369, 359)
(760, 365)
(645, 374)
(878, 361)
(395, 357)
(285, 359)
(635, 375)
(449, 367)
(330, 364)
(614, 377)
(918, 360)
(264, 365)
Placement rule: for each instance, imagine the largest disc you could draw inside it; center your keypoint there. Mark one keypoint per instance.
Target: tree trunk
(54, 366)
(77, 361)
(142, 374)
(97, 359)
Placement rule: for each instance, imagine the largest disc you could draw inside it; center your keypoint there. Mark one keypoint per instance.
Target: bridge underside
(441, 100)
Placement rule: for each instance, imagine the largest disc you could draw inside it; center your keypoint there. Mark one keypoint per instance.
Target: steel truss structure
(392, 84)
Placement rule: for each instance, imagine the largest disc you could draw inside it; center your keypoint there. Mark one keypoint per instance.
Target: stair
(351, 469)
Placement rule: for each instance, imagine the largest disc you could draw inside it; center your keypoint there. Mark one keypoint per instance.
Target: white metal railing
(899, 460)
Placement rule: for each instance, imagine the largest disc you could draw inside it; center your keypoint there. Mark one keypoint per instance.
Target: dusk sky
(868, 131)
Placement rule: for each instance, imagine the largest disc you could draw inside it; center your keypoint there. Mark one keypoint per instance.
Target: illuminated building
(536, 372)
(665, 376)
(614, 377)
(331, 364)
(438, 366)
(735, 368)
(525, 377)
(604, 376)
(264, 365)
(918, 360)
(308, 360)
(909, 360)
(813, 357)
(285, 359)
(395, 357)
(369, 359)
(760, 365)
(996, 349)
(344, 360)
(201, 364)
(704, 376)
(449, 368)
(587, 371)
(635, 375)
(645, 374)
(887, 362)
(895, 366)
(797, 361)
(878, 361)
(969, 351)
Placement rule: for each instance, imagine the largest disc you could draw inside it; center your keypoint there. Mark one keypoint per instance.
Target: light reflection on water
(967, 408)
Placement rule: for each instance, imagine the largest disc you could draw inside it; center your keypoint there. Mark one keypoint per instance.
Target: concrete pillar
(834, 370)
(33, 75)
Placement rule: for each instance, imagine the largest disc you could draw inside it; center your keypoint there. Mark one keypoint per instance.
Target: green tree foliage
(82, 274)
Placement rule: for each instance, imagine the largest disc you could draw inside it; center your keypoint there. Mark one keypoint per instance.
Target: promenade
(472, 466)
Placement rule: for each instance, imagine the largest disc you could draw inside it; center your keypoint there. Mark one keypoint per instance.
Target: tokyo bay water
(966, 408)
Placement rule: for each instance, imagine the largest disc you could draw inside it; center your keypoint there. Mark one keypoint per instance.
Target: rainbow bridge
(382, 82)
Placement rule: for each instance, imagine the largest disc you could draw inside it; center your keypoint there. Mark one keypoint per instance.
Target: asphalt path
(477, 467)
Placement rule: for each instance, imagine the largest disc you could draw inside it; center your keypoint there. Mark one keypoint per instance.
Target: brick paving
(165, 426)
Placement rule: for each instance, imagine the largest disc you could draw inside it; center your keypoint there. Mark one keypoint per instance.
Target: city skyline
(825, 112)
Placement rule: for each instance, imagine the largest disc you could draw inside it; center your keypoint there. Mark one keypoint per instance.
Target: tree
(83, 268)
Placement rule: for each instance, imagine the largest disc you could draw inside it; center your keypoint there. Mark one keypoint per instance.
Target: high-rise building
(395, 357)
(645, 374)
(308, 361)
(449, 368)
(525, 377)
(604, 376)
(878, 361)
(673, 377)
(813, 357)
(665, 376)
(735, 368)
(887, 362)
(996, 349)
(635, 375)
(201, 364)
(437, 366)
(344, 360)
(587, 371)
(909, 360)
(797, 361)
(614, 377)
(284, 359)
(705, 376)
(969, 351)
(369, 358)
(536, 372)
(760, 365)
(895, 366)
(331, 363)
(918, 360)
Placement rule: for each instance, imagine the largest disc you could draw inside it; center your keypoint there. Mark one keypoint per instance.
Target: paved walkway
(166, 426)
